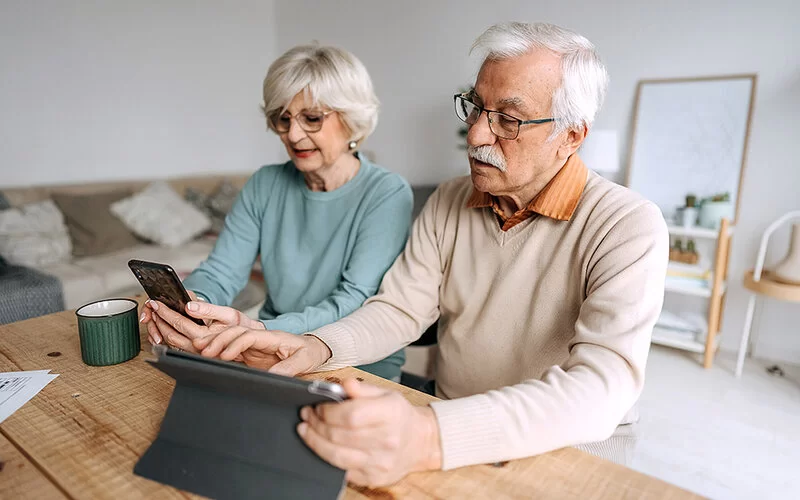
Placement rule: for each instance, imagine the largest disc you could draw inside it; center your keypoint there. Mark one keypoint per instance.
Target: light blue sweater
(322, 253)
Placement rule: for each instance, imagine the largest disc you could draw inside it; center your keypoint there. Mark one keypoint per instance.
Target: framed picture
(690, 137)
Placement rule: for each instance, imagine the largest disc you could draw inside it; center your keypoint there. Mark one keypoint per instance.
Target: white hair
(584, 79)
(328, 76)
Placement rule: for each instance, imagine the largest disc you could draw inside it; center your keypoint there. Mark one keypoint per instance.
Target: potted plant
(714, 208)
(689, 212)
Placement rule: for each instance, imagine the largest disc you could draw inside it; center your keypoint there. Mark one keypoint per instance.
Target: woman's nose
(296, 132)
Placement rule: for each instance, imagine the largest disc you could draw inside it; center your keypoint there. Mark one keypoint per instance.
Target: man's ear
(572, 141)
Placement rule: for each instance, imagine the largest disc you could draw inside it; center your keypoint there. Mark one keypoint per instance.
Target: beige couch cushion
(93, 278)
(94, 230)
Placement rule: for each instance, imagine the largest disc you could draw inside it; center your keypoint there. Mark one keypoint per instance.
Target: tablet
(230, 431)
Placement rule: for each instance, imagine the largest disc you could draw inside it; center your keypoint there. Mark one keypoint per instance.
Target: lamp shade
(600, 151)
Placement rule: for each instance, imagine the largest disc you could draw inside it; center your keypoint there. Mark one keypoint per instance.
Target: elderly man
(545, 278)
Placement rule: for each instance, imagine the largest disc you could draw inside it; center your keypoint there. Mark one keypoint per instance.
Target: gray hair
(328, 76)
(584, 79)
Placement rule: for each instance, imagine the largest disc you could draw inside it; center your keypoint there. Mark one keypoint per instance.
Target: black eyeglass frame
(490, 112)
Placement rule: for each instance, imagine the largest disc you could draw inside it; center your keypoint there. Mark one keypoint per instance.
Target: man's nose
(480, 133)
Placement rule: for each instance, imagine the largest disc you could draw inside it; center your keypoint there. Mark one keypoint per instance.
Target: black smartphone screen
(161, 283)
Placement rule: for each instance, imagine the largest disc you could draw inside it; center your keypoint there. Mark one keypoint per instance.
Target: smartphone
(161, 283)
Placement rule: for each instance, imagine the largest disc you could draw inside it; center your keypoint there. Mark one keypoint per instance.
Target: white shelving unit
(713, 291)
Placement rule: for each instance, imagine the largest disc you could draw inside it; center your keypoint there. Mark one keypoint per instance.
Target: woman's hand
(279, 352)
(166, 325)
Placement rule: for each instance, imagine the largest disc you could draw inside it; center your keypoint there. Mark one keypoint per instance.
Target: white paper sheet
(17, 388)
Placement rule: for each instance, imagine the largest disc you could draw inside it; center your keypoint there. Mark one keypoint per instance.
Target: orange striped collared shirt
(557, 200)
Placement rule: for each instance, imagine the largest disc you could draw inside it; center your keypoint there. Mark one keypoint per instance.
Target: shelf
(696, 231)
(669, 338)
(682, 288)
(768, 286)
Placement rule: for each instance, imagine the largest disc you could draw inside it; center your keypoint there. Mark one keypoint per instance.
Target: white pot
(788, 270)
(712, 212)
(689, 216)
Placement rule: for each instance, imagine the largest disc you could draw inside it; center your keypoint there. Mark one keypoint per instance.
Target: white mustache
(488, 154)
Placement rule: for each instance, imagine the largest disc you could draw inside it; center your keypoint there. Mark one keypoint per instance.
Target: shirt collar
(559, 198)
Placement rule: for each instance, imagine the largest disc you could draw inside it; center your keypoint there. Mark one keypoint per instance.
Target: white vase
(788, 270)
(688, 216)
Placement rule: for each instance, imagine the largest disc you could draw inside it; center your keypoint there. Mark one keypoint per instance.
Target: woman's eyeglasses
(309, 120)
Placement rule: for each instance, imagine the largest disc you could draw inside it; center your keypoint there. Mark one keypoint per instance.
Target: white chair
(762, 282)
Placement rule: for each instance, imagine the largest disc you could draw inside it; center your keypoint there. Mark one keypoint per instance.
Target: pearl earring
(353, 145)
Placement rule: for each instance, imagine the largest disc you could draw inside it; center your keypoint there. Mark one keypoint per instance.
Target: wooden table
(81, 436)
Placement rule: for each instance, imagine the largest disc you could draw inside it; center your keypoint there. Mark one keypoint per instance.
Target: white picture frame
(690, 136)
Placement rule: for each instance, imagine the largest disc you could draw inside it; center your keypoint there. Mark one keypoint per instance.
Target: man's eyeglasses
(502, 125)
(309, 120)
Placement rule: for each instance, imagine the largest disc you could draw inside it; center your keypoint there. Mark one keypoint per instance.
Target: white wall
(120, 90)
(115, 90)
(416, 52)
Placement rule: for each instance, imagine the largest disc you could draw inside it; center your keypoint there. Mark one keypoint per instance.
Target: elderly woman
(326, 225)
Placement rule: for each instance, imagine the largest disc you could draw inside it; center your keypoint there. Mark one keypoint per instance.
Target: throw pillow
(93, 228)
(217, 205)
(159, 214)
(4, 204)
(34, 235)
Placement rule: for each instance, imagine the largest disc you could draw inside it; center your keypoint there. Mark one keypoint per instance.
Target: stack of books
(688, 275)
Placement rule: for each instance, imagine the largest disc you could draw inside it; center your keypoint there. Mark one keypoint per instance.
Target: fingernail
(157, 339)
(192, 306)
(141, 318)
(305, 413)
(302, 428)
(154, 305)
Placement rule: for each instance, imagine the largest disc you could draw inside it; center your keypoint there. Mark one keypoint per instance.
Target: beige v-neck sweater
(544, 329)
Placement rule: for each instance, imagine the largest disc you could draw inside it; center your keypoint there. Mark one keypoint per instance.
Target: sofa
(85, 279)
(89, 278)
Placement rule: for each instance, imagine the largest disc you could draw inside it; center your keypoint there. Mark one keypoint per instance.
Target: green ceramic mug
(109, 331)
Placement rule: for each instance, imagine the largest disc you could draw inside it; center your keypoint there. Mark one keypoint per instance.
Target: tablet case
(230, 432)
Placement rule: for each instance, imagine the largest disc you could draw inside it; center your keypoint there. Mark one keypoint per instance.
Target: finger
(358, 413)
(363, 438)
(201, 343)
(178, 322)
(214, 344)
(296, 364)
(146, 316)
(359, 390)
(337, 455)
(204, 310)
(153, 340)
(173, 337)
(152, 330)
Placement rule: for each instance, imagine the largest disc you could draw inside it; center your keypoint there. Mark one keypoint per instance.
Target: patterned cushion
(34, 235)
(217, 205)
(160, 215)
(4, 204)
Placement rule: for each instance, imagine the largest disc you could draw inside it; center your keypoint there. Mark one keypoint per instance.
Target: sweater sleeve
(584, 399)
(225, 272)
(405, 306)
(379, 239)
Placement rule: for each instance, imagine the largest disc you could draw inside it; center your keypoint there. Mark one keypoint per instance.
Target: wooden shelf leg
(715, 303)
(748, 323)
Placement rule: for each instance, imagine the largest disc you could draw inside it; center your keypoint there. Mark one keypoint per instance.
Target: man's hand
(164, 324)
(279, 352)
(377, 436)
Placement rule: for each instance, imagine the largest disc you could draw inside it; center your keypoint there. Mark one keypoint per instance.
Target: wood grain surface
(82, 435)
